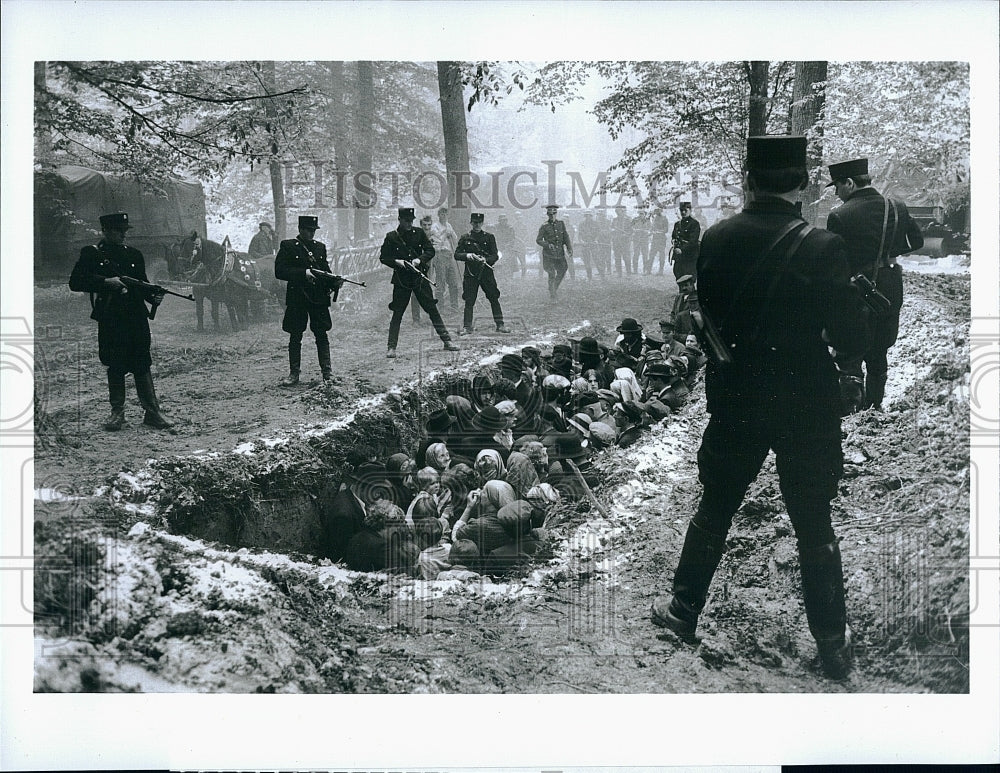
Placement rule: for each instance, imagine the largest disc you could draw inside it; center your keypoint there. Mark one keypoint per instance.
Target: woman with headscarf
(538, 455)
(397, 476)
(462, 431)
(625, 386)
(459, 480)
(479, 521)
(521, 474)
(489, 465)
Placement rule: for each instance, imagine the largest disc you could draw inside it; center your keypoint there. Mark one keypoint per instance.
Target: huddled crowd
(477, 494)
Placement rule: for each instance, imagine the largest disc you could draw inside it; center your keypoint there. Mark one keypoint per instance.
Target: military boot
(699, 559)
(323, 352)
(826, 610)
(294, 364)
(147, 396)
(116, 395)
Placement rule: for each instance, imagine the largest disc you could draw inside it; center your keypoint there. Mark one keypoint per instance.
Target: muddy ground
(127, 600)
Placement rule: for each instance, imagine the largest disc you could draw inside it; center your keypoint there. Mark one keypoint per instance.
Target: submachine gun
(870, 294)
(100, 306)
(328, 282)
(418, 271)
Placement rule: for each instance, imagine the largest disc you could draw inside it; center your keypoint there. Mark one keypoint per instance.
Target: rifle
(131, 283)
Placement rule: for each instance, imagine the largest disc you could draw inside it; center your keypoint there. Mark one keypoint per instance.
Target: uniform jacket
(122, 319)
(554, 239)
(480, 243)
(621, 229)
(293, 258)
(788, 362)
(685, 235)
(588, 231)
(859, 221)
(403, 244)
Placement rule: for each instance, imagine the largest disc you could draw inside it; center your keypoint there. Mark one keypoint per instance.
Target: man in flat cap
(557, 249)
(684, 239)
(478, 250)
(778, 291)
(877, 230)
(262, 243)
(408, 252)
(123, 338)
(307, 301)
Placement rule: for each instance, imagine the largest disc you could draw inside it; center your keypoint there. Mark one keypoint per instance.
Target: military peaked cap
(117, 221)
(406, 213)
(477, 217)
(309, 221)
(854, 168)
(776, 152)
(684, 204)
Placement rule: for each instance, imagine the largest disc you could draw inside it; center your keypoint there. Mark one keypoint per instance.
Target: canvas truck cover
(69, 201)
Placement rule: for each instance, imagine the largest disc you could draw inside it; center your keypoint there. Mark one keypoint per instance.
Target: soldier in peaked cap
(684, 239)
(877, 230)
(306, 301)
(408, 252)
(778, 292)
(123, 338)
(478, 250)
(556, 246)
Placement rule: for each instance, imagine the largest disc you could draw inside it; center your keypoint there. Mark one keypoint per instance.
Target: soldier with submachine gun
(115, 276)
(408, 252)
(302, 263)
(478, 250)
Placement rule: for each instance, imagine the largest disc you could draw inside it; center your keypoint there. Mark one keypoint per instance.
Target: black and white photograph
(658, 374)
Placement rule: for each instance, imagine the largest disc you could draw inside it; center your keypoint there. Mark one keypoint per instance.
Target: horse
(220, 274)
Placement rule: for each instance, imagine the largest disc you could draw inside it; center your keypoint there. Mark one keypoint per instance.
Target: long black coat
(122, 319)
(787, 365)
(403, 244)
(344, 518)
(859, 222)
(293, 258)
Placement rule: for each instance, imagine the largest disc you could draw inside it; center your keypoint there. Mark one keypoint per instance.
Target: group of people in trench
(476, 496)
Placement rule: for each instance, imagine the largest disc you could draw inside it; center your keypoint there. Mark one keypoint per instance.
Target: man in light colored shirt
(444, 239)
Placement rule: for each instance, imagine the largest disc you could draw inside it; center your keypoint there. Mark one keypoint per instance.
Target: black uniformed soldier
(684, 238)
(877, 230)
(621, 240)
(478, 250)
(777, 303)
(408, 252)
(556, 246)
(658, 238)
(123, 338)
(588, 236)
(305, 300)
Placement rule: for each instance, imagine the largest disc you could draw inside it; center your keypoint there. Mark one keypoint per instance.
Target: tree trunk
(364, 117)
(757, 73)
(808, 100)
(456, 143)
(43, 139)
(341, 162)
(273, 164)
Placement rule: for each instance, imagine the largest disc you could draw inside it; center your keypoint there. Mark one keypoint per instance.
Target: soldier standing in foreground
(307, 300)
(684, 237)
(123, 337)
(478, 250)
(877, 229)
(408, 252)
(554, 240)
(778, 291)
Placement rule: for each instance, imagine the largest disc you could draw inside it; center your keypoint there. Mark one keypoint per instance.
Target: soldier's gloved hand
(416, 262)
(116, 284)
(310, 276)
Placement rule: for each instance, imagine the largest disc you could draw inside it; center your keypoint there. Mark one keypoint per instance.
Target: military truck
(70, 199)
